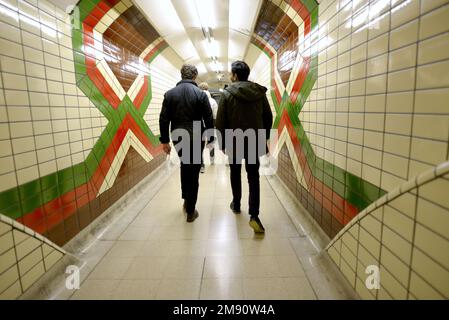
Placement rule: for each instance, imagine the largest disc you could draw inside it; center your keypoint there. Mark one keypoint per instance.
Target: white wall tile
(434, 22)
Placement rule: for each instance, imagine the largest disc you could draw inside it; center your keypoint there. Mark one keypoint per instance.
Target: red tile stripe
(307, 26)
(264, 47)
(339, 207)
(300, 9)
(55, 211)
(300, 79)
(154, 50)
(92, 71)
(142, 94)
(144, 90)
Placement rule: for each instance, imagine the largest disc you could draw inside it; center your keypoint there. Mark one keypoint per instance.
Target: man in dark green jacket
(244, 120)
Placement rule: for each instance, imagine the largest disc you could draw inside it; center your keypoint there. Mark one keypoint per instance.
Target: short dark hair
(188, 72)
(241, 69)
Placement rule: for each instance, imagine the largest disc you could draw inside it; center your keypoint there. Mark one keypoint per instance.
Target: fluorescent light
(211, 48)
(216, 66)
(207, 19)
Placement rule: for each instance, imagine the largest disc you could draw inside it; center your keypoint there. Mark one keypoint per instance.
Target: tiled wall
(364, 108)
(259, 71)
(406, 235)
(24, 257)
(78, 109)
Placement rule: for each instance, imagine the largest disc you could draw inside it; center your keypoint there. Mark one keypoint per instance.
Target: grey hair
(204, 86)
(188, 72)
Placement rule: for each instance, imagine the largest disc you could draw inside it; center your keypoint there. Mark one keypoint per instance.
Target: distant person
(244, 105)
(205, 87)
(183, 105)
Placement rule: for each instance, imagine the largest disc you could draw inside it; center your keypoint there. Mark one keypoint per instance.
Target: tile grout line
(202, 278)
(115, 241)
(289, 241)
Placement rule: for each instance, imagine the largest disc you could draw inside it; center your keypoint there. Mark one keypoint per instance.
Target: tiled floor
(160, 256)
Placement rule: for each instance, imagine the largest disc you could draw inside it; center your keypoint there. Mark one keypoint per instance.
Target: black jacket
(182, 105)
(244, 105)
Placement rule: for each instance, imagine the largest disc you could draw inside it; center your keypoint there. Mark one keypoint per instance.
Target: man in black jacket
(186, 108)
(244, 121)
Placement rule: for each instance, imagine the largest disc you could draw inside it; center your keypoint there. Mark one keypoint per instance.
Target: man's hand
(166, 147)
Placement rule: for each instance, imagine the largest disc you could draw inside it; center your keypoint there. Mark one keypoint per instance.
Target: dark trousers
(190, 175)
(252, 171)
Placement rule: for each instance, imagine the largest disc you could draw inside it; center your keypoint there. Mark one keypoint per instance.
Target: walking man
(205, 87)
(186, 108)
(243, 114)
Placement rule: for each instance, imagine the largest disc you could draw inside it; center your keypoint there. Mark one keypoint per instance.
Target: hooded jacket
(244, 105)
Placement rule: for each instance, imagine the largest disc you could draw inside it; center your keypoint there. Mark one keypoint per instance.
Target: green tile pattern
(355, 190)
(26, 198)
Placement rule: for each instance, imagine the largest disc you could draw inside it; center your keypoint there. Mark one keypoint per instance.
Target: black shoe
(234, 208)
(255, 223)
(192, 216)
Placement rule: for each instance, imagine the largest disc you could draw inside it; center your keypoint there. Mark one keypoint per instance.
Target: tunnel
(354, 189)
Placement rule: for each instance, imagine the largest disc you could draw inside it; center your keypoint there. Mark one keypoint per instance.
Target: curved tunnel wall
(359, 89)
(405, 235)
(360, 92)
(24, 257)
(78, 110)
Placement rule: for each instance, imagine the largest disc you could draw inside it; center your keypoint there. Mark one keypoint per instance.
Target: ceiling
(66, 5)
(209, 34)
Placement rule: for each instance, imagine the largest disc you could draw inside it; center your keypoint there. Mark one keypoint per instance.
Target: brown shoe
(192, 216)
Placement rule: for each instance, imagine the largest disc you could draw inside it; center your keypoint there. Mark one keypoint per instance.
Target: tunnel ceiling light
(211, 47)
(208, 22)
(207, 32)
(216, 66)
